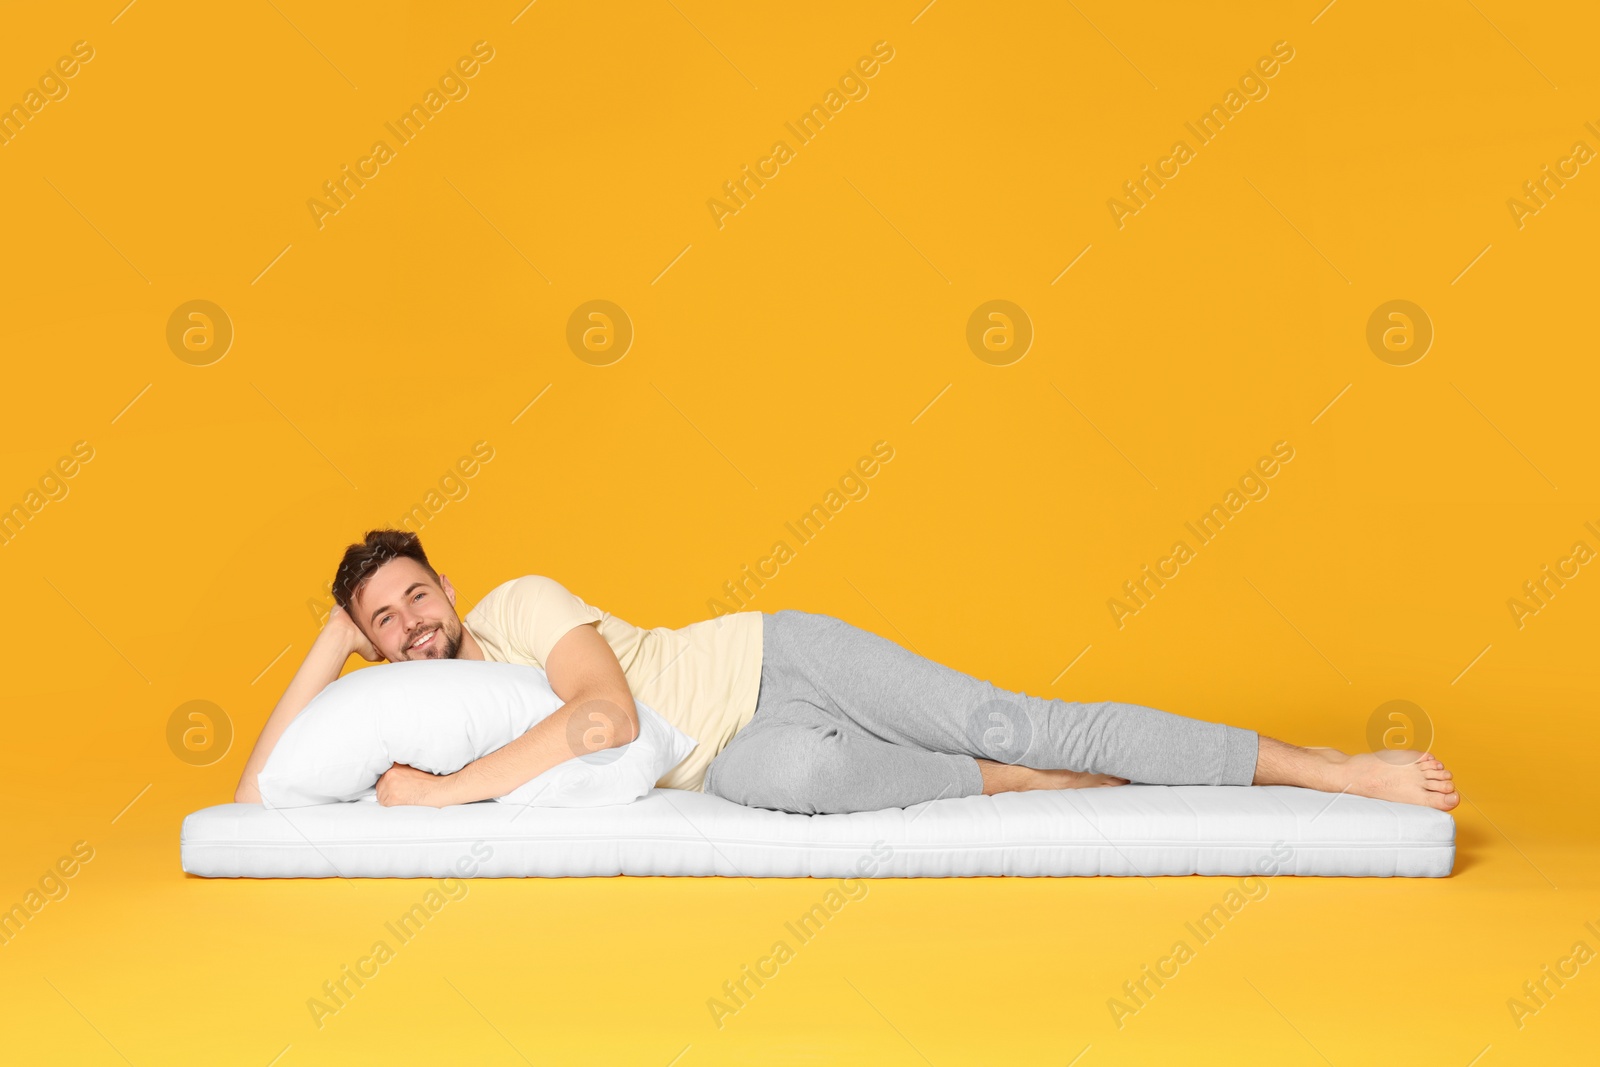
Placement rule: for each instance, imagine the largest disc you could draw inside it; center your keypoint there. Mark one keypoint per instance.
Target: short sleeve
(536, 612)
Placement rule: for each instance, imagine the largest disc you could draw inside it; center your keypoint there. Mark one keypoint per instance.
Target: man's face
(406, 616)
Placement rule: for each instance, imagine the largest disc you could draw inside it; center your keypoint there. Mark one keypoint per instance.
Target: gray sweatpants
(847, 720)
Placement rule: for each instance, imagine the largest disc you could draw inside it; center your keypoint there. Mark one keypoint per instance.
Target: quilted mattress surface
(1123, 830)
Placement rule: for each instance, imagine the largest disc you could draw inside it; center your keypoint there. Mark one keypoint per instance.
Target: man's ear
(449, 590)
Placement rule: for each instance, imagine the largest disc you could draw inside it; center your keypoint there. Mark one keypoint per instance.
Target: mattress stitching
(813, 846)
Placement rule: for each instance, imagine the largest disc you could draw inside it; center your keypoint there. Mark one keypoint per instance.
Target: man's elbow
(628, 729)
(607, 720)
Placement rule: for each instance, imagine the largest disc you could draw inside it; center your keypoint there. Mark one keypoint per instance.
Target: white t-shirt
(702, 678)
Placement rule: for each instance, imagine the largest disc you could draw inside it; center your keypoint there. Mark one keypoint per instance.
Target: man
(794, 711)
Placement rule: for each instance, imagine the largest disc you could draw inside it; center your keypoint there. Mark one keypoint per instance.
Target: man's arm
(339, 638)
(599, 713)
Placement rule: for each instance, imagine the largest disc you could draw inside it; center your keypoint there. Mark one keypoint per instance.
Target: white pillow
(439, 715)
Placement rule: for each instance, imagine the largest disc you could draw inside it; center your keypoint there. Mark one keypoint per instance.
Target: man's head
(385, 584)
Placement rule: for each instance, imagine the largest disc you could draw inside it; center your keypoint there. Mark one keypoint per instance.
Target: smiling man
(390, 604)
(792, 710)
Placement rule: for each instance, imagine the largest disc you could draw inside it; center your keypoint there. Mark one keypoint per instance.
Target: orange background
(769, 355)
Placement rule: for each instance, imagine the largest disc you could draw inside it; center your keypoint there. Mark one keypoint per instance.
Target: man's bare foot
(1400, 774)
(1011, 778)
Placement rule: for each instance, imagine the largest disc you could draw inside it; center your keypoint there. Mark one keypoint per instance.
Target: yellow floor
(143, 962)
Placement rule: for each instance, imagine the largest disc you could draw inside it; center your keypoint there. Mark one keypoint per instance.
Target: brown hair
(362, 560)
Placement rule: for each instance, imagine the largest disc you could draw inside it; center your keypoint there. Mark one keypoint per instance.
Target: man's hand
(341, 623)
(403, 784)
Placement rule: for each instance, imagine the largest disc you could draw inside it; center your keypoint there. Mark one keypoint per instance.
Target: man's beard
(443, 646)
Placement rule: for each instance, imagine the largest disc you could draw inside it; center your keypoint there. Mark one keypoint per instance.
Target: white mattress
(1121, 830)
